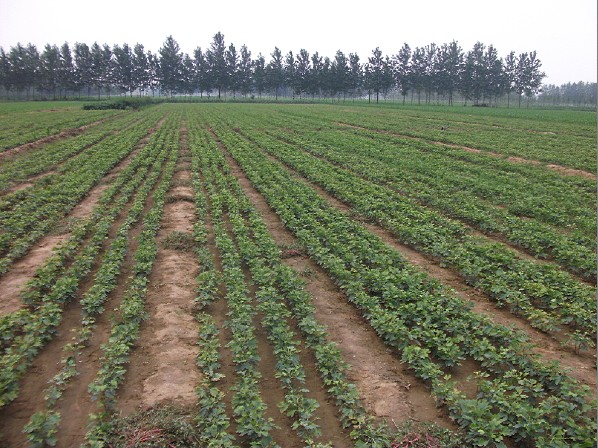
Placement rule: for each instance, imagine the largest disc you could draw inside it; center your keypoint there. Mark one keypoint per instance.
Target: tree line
(420, 74)
(570, 94)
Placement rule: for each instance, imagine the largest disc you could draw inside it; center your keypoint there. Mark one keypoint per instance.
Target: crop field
(262, 275)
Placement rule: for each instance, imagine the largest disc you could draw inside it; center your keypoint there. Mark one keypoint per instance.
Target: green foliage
(131, 103)
(41, 429)
(413, 314)
(519, 398)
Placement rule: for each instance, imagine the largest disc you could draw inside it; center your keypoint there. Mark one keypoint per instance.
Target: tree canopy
(479, 75)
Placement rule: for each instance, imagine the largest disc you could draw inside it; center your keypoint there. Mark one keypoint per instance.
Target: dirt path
(386, 386)
(558, 168)
(23, 269)
(162, 368)
(582, 366)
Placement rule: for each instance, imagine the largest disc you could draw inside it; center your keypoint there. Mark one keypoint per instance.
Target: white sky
(564, 33)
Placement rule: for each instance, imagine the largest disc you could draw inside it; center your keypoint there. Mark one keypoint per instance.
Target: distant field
(297, 275)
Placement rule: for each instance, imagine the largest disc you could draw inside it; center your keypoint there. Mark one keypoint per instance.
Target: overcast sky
(563, 33)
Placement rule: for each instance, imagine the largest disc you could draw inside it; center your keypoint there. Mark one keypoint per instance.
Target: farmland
(297, 275)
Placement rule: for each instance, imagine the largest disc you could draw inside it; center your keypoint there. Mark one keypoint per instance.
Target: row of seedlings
(51, 155)
(432, 184)
(282, 296)
(125, 330)
(519, 397)
(290, 372)
(548, 297)
(25, 332)
(212, 421)
(33, 215)
(19, 128)
(43, 424)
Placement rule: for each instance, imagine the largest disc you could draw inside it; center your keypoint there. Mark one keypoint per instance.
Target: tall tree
(49, 70)
(99, 71)
(402, 70)
(510, 75)
(315, 76)
(123, 68)
(431, 72)
(141, 69)
(187, 81)
(302, 72)
(529, 76)
(108, 76)
(171, 60)
(24, 68)
(244, 78)
(16, 61)
(355, 74)
(66, 70)
(232, 66)
(216, 57)
(326, 83)
(83, 67)
(450, 64)
(289, 68)
(259, 74)
(340, 74)
(202, 72)
(495, 82)
(418, 72)
(32, 67)
(379, 72)
(275, 72)
(5, 69)
(153, 63)
(475, 75)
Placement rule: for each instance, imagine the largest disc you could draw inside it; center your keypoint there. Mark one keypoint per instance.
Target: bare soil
(162, 368)
(12, 283)
(30, 182)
